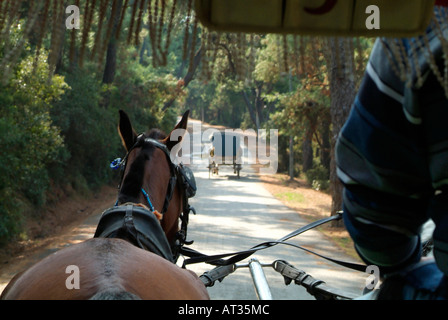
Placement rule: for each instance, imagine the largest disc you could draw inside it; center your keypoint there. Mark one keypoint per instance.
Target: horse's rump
(108, 269)
(114, 294)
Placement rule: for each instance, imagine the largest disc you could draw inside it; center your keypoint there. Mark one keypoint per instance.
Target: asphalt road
(235, 214)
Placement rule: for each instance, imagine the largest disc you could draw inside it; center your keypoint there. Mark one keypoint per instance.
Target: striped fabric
(392, 157)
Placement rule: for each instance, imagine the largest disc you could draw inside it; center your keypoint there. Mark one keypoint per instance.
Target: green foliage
(318, 178)
(290, 196)
(267, 68)
(88, 130)
(10, 214)
(63, 132)
(28, 137)
(88, 117)
(142, 92)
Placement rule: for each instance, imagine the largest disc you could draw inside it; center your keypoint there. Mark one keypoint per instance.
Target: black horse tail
(114, 294)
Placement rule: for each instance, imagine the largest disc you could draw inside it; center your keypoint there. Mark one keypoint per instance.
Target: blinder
(188, 180)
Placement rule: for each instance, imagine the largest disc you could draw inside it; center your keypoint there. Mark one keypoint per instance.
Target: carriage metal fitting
(260, 282)
(288, 272)
(218, 273)
(316, 288)
(300, 277)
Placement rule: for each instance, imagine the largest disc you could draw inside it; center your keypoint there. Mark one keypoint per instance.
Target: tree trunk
(291, 158)
(111, 63)
(307, 151)
(250, 108)
(342, 87)
(188, 77)
(111, 56)
(143, 49)
(325, 152)
(259, 102)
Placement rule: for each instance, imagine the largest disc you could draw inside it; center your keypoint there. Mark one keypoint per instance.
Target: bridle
(179, 175)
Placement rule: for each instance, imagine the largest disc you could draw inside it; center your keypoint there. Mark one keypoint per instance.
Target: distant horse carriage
(225, 150)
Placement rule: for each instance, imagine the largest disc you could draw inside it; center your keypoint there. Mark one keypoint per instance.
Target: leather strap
(217, 260)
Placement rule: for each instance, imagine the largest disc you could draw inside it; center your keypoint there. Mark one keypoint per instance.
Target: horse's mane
(131, 185)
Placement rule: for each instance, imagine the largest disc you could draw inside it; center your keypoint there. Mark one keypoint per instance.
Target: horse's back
(106, 269)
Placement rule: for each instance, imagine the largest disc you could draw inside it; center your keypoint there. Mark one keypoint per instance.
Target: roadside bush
(318, 178)
(29, 140)
(89, 132)
(61, 133)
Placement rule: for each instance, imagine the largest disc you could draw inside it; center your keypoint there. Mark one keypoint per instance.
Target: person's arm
(383, 163)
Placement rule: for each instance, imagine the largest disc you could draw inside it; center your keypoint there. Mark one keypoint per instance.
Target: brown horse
(117, 263)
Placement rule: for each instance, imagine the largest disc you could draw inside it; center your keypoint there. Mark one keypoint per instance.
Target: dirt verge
(51, 230)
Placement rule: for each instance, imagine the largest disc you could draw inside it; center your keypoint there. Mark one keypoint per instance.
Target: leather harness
(139, 224)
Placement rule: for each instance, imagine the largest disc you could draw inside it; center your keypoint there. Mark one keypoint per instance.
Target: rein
(217, 260)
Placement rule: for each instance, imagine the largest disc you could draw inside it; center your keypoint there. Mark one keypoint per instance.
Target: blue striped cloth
(392, 157)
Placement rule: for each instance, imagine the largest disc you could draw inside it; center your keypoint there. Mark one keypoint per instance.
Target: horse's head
(150, 178)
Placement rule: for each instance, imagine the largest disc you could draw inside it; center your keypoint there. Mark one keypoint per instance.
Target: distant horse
(133, 252)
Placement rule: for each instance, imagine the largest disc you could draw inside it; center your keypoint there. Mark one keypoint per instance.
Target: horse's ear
(182, 125)
(126, 132)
